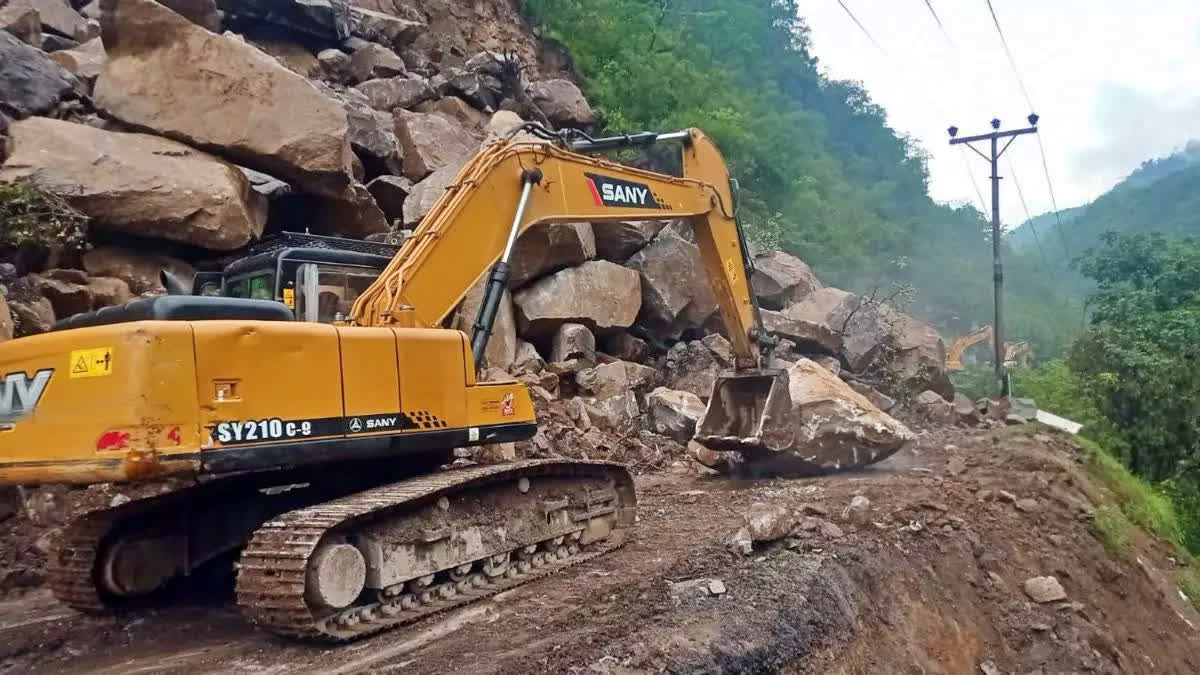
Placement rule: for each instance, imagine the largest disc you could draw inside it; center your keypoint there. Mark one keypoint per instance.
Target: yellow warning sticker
(91, 362)
(289, 297)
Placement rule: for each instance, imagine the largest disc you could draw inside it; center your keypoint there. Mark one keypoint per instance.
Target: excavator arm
(511, 186)
(954, 355)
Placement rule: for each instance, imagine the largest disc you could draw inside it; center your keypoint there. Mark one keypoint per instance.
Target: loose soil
(931, 583)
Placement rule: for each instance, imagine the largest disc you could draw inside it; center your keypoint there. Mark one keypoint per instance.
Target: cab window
(258, 287)
(327, 292)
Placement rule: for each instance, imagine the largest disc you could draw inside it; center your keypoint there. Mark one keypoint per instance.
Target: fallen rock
(720, 348)
(937, 409)
(24, 23)
(881, 401)
(109, 291)
(67, 298)
(829, 363)
(30, 83)
(527, 359)
(148, 186)
(390, 94)
(31, 316)
(473, 89)
(431, 142)
(372, 133)
(502, 346)
(384, 28)
(965, 410)
(674, 413)
(741, 542)
(1044, 589)
(599, 294)
(956, 466)
(335, 63)
(859, 511)
(832, 531)
(160, 76)
(289, 54)
(327, 19)
(626, 347)
(57, 16)
(691, 366)
(373, 61)
(549, 247)
(781, 280)
(389, 193)
(1013, 420)
(562, 103)
(425, 194)
(617, 241)
(834, 426)
(458, 111)
(769, 522)
(84, 62)
(675, 289)
(694, 589)
(573, 341)
(808, 335)
(614, 413)
(136, 268)
(605, 380)
(1027, 505)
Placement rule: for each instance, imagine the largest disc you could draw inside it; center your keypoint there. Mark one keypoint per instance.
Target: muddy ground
(932, 582)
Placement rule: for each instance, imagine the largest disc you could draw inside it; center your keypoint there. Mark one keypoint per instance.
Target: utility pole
(997, 270)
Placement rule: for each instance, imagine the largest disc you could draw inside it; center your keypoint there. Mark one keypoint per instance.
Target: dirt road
(931, 582)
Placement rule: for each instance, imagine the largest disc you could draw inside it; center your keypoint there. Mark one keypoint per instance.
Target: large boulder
(31, 315)
(809, 336)
(573, 341)
(67, 298)
(835, 427)
(136, 183)
(30, 83)
(108, 291)
(617, 241)
(372, 61)
(291, 55)
(676, 292)
(456, 110)
(562, 102)
(372, 133)
(389, 193)
(502, 346)
(425, 194)
(781, 280)
(431, 142)
(388, 94)
(601, 295)
(327, 19)
(385, 28)
(549, 247)
(919, 360)
(674, 413)
(167, 74)
(692, 367)
(139, 269)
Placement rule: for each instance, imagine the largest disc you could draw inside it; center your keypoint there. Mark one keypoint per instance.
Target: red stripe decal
(595, 192)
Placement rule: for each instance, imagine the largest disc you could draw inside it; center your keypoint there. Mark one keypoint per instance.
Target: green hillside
(824, 177)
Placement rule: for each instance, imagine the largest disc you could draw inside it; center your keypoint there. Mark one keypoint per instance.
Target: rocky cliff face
(182, 130)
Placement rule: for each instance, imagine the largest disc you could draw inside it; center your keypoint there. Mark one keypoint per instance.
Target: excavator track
(70, 569)
(274, 582)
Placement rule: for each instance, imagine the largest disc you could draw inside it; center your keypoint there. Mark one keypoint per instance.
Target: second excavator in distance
(296, 408)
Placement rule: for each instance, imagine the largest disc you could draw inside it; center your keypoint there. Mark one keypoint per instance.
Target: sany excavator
(311, 445)
(1015, 353)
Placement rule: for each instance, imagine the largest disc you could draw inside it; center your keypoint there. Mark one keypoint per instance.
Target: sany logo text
(19, 394)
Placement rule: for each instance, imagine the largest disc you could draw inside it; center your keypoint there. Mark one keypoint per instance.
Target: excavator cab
(317, 277)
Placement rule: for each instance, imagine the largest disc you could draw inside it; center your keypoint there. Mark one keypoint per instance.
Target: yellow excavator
(1018, 352)
(292, 410)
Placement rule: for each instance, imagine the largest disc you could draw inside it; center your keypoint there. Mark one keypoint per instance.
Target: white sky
(1115, 83)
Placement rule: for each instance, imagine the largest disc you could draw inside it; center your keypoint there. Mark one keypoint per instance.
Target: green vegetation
(1113, 529)
(1189, 583)
(823, 177)
(32, 216)
(1142, 503)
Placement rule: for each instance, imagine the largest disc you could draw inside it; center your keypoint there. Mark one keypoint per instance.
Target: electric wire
(1041, 146)
(861, 26)
(938, 21)
(1028, 217)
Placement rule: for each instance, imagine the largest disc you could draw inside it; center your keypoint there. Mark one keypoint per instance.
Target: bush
(1138, 500)
(1189, 583)
(31, 216)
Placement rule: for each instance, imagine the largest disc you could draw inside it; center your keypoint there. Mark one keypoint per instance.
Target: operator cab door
(326, 293)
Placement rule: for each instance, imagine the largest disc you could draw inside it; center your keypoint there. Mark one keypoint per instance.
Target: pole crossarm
(994, 134)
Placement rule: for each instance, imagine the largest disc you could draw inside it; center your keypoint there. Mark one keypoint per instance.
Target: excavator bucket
(748, 411)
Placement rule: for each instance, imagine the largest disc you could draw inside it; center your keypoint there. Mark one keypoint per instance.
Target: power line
(1053, 202)
(938, 21)
(1008, 52)
(860, 26)
(1028, 217)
